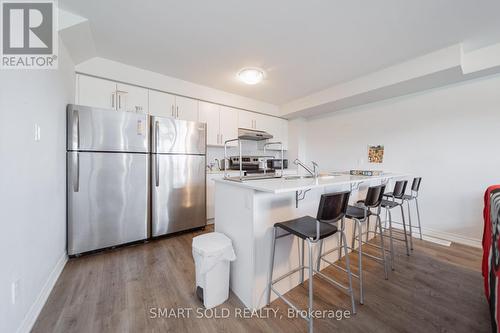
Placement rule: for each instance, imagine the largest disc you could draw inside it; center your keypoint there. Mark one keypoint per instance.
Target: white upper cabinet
(131, 98)
(107, 94)
(186, 108)
(222, 123)
(284, 133)
(95, 92)
(247, 119)
(209, 113)
(276, 126)
(279, 129)
(167, 105)
(228, 125)
(161, 104)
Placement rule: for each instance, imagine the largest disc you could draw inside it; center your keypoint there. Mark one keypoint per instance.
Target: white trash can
(212, 253)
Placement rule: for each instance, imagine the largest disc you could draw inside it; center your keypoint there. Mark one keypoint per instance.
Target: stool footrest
(288, 274)
(339, 267)
(366, 254)
(332, 281)
(331, 251)
(290, 304)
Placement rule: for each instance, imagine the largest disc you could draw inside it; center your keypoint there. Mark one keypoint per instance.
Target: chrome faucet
(314, 172)
(315, 169)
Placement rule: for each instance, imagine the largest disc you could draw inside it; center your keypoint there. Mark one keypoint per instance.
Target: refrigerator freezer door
(93, 129)
(107, 199)
(178, 136)
(178, 193)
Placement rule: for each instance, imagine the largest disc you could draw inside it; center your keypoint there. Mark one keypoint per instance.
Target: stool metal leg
(340, 238)
(318, 263)
(348, 266)
(311, 267)
(360, 268)
(270, 275)
(302, 262)
(418, 217)
(353, 242)
(404, 229)
(390, 236)
(367, 227)
(409, 222)
(379, 222)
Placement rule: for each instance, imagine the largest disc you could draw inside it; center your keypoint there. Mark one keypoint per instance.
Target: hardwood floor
(437, 289)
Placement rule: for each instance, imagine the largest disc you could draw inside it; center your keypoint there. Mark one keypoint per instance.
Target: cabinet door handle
(177, 112)
(113, 100)
(119, 101)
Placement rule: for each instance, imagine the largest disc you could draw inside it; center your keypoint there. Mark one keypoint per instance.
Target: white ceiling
(304, 46)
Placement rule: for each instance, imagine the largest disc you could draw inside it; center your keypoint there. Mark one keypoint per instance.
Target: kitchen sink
(293, 177)
(297, 177)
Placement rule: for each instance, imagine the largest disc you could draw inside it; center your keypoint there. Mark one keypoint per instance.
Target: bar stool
(332, 208)
(397, 194)
(415, 186)
(360, 214)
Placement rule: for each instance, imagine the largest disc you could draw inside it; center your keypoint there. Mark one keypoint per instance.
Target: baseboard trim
(30, 318)
(453, 237)
(435, 236)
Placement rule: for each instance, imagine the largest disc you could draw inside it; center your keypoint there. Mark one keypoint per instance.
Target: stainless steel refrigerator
(178, 184)
(107, 178)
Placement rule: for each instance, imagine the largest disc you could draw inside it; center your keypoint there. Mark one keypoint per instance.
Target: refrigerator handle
(76, 180)
(76, 127)
(157, 161)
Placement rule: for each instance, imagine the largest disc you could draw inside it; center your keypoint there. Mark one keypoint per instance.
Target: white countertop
(283, 185)
(221, 172)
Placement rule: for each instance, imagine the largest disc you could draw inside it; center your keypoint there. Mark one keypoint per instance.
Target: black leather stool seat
(389, 204)
(354, 212)
(405, 196)
(305, 227)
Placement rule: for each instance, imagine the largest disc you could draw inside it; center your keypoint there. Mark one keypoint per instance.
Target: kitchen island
(246, 212)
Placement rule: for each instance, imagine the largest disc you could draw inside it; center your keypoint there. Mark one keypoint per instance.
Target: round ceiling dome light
(251, 75)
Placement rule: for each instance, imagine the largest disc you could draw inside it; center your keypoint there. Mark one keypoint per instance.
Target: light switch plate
(15, 291)
(37, 133)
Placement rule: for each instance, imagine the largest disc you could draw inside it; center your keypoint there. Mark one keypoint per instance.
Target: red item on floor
(491, 247)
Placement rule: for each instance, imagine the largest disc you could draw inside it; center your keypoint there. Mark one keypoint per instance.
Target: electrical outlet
(15, 291)
(37, 133)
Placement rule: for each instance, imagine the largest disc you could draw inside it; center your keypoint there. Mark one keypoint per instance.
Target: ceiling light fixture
(251, 75)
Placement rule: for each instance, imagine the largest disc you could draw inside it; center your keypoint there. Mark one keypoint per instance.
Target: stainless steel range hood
(254, 135)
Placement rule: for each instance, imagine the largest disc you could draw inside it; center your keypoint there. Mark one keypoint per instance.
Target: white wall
(32, 187)
(449, 136)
